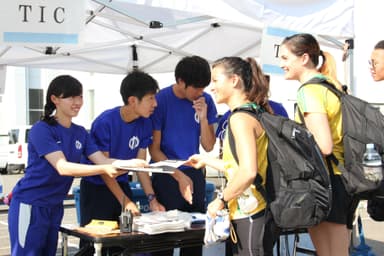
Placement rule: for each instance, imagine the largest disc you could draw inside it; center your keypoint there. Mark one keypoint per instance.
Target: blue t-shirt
(222, 125)
(120, 139)
(179, 123)
(277, 108)
(42, 185)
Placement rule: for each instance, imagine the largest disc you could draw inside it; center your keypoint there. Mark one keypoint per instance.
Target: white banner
(269, 57)
(53, 22)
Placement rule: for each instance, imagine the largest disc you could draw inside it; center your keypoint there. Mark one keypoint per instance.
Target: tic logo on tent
(269, 54)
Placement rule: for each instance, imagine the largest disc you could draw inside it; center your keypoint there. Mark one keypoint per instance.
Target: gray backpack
(362, 124)
(298, 190)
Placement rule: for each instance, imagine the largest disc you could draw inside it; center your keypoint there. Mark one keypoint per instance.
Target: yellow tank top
(251, 193)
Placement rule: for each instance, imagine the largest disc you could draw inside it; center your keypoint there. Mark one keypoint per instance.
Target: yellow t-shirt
(313, 98)
(251, 193)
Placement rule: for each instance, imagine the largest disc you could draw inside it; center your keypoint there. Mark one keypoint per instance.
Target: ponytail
(48, 116)
(260, 86)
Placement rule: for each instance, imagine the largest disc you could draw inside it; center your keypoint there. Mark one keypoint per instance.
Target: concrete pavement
(373, 231)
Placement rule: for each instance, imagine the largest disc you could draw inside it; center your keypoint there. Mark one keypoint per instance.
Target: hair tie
(323, 59)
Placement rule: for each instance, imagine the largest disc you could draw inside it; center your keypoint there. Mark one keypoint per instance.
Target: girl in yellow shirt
(299, 58)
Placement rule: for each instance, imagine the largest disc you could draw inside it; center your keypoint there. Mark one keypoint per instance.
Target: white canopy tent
(118, 37)
(153, 35)
(324, 17)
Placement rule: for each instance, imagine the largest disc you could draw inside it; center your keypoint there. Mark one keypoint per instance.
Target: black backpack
(298, 190)
(362, 124)
(375, 205)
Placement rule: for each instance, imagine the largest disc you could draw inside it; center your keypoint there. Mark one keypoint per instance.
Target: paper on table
(169, 163)
(145, 169)
(165, 166)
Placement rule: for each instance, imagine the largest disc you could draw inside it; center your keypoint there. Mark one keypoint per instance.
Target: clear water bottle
(372, 164)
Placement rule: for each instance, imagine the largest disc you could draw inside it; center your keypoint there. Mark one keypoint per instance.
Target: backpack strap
(324, 82)
(251, 108)
(255, 111)
(332, 158)
(319, 81)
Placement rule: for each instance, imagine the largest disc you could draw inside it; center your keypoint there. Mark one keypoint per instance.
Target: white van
(18, 149)
(4, 149)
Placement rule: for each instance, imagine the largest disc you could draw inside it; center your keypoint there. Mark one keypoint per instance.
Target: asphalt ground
(372, 242)
(8, 181)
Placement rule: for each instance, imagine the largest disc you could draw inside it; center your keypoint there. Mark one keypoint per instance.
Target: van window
(14, 136)
(26, 135)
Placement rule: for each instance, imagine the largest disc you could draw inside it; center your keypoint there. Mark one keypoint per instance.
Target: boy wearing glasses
(377, 62)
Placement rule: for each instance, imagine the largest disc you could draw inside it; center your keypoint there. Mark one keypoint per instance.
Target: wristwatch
(150, 197)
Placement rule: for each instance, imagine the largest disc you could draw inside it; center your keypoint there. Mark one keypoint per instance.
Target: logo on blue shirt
(78, 144)
(197, 118)
(133, 142)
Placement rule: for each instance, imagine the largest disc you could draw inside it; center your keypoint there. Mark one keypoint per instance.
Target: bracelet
(150, 197)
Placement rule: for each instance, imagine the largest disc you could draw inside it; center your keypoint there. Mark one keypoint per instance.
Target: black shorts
(343, 205)
(98, 202)
(168, 192)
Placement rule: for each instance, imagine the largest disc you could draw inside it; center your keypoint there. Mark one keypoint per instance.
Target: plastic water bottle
(373, 168)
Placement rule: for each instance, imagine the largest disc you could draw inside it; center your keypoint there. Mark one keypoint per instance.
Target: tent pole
(93, 14)
(6, 49)
(116, 8)
(347, 58)
(135, 65)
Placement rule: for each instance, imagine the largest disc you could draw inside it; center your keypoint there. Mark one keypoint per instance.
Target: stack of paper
(162, 222)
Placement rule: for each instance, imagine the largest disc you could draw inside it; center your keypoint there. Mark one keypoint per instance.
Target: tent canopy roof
(118, 37)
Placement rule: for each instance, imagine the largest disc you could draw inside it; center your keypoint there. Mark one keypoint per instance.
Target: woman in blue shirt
(55, 147)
